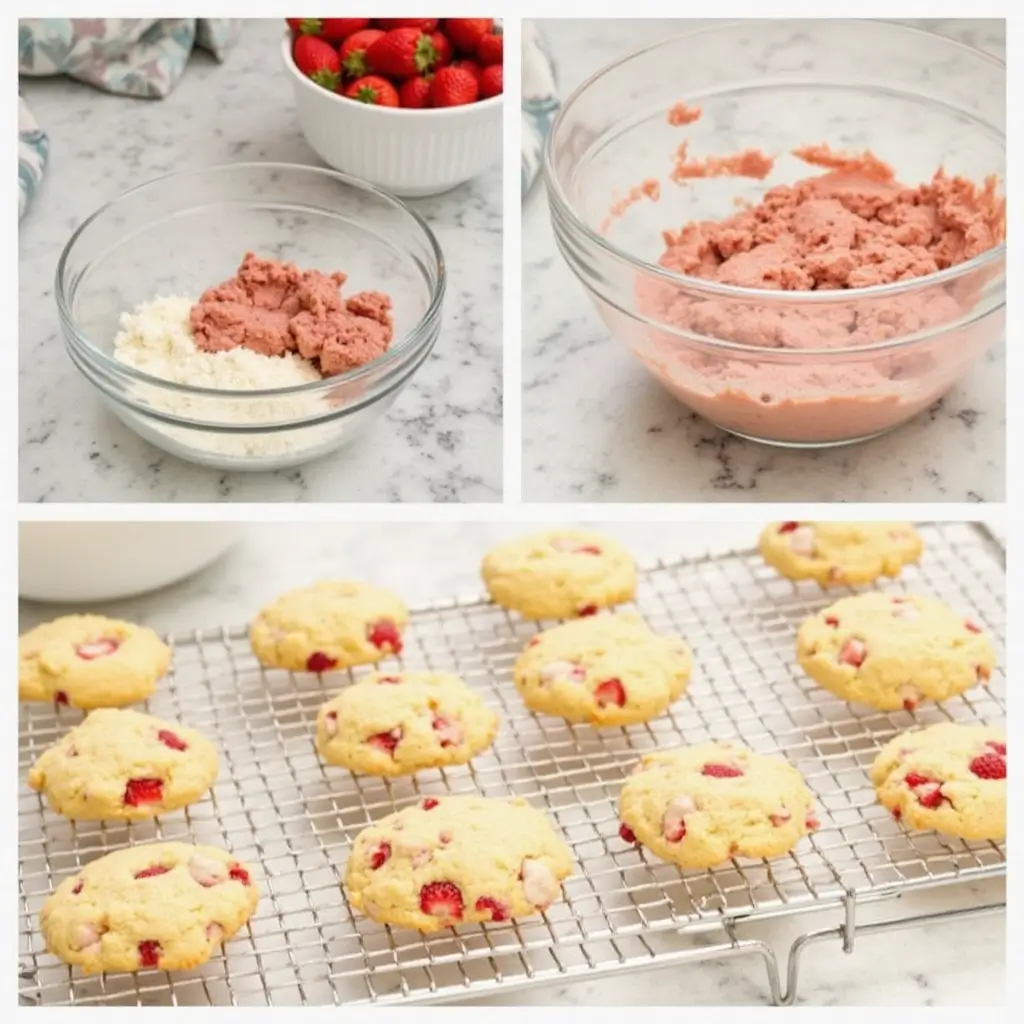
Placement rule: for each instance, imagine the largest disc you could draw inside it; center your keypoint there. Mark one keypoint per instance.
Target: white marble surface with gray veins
(440, 442)
(599, 428)
(960, 963)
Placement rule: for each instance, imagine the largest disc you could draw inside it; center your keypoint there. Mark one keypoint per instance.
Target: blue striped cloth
(540, 101)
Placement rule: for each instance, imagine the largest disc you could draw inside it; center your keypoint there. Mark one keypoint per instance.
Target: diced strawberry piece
(721, 771)
(789, 527)
(442, 899)
(429, 803)
(588, 549)
(989, 766)
(811, 823)
(320, 662)
(78, 887)
(675, 831)
(238, 874)
(915, 779)
(172, 740)
(533, 641)
(587, 609)
(152, 872)
(60, 697)
(853, 652)
(97, 649)
(386, 741)
(499, 912)
(449, 733)
(999, 748)
(444, 838)
(626, 834)
(143, 791)
(380, 856)
(831, 620)
(930, 797)
(972, 627)
(611, 691)
(385, 636)
(150, 952)
(897, 813)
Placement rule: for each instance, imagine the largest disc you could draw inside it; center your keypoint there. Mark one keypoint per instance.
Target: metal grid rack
(294, 819)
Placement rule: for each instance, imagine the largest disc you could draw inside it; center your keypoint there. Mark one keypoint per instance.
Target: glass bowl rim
(394, 355)
(764, 296)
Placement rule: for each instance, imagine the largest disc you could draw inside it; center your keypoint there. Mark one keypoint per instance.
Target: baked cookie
(606, 670)
(331, 625)
(699, 806)
(560, 574)
(164, 905)
(399, 723)
(892, 651)
(456, 859)
(839, 553)
(949, 777)
(124, 765)
(88, 661)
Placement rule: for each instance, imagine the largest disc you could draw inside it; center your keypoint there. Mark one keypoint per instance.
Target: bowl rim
(394, 354)
(564, 207)
(464, 109)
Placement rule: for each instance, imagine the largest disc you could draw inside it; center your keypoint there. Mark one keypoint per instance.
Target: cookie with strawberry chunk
(700, 806)
(607, 670)
(893, 651)
(161, 906)
(457, 860)
(89, 661)
(835, 554)
(400, 723)
(948, 777)
(123, 765)
(560, 574)
(329, 626)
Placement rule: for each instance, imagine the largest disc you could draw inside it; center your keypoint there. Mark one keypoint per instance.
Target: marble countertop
(942, 964)
(440, 442)
(613, 434)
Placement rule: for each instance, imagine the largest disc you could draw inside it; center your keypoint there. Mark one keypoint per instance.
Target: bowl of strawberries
(412, 105)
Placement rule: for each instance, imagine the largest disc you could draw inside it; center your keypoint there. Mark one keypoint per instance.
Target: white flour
(156, 339)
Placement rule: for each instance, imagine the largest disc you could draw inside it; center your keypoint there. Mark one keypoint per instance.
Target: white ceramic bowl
(84, 562)
(407, 152)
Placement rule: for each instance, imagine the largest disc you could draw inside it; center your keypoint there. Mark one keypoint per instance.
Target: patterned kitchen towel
(129, 56)
(540, 101)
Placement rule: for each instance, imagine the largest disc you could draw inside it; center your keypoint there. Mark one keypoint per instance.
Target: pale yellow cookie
(560, 574)
(399, 723)
(834, 554)
(948, 777)
(892, 651)
(700, 806)
(329, 626)
(607, 670)
(455, 859)
(124, 765)
(165, 906)
(88, 661)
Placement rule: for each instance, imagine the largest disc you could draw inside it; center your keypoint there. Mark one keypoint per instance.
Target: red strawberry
(429, 804)
(414, 93)
(335, 30)
(156, 869)
(626, 834)
(373, 89)
(454, 87)
(385, 633)
(444, 49)
(171, 739)
(442, 899)
(238, 874)
(386, 741)
(304, 26)
(423, 24)
(318, 61)
(611, 691)
(499, 912)
(150, 950)
(465, 33)
(491, 85)
(380, 856)
(468, 65)
(320, 662)
(143, 791)
(721, 771)
(915, 779)
(490, 49)
(402, 53)
(354, 61)
(988, 766)
(789, 527)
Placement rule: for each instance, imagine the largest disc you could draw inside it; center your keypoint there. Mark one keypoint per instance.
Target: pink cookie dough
(853, 227)
(273, 308)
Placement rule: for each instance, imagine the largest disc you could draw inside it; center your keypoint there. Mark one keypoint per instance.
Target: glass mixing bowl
(181, 234)
(917, 100)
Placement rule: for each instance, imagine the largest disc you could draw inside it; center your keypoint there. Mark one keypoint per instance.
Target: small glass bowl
(918, 100)
(181, 234)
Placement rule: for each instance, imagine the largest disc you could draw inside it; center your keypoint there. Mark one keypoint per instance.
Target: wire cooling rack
(294, 819)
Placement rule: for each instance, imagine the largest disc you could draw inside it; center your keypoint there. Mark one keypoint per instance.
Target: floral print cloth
(129, 56)
(540, 101)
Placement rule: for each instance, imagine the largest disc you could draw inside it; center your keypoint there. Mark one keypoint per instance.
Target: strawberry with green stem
(403, 53)
(374, 90)
(353, 52)
(318, 61)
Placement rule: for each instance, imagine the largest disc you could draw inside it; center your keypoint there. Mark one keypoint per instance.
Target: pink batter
(852, 227)
(274, 308)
